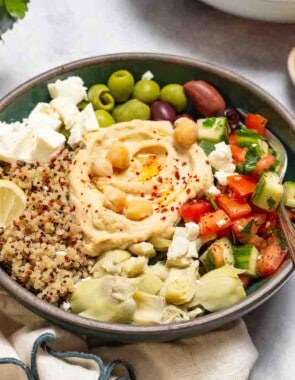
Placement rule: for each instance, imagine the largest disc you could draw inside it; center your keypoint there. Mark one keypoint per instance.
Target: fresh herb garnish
(207, 146)
(247, 231)
(251, 159)
(282, 241)
(209, 122)
(271, 203)
(210, 198)
(10, 12)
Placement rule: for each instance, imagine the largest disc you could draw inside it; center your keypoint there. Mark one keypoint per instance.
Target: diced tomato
(243, 185)
(224, 233)
(265, 163)
(239, 224)
(270, 258)
(246, 280)
(233, 138)
(192, 212)
(239, 154)
(257, 123)
(257, 241)
(235, 208)
(213, 222)
(291, 214)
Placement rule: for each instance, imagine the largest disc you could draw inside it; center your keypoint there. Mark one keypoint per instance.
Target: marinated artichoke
(149, 308)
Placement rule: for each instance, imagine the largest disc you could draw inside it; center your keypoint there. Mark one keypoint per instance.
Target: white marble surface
(55, 32)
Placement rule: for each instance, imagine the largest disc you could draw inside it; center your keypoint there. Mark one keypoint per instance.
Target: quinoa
(44, 249)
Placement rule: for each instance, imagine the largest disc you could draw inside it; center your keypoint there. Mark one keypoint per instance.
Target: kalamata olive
(187, 115)
(205, 97)
(232, 116)
(162, 111)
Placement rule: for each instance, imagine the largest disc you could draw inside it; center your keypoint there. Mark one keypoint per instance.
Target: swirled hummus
(160, 172)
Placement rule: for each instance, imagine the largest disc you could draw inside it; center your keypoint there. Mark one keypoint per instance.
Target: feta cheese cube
(192, 250)
(71, 88)
(67, 110)
(180, 232)
(222, 177)
(178, 248)
(44, 114)
(148, 75)
(221, 158)
(214, 191)
(192, 231)
(142, 249)
(89, 120)
(76, 135)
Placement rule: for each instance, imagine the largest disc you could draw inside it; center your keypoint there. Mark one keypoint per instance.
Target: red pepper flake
(188, 191)
(142, 195)
(163, 218)
(177, 176)
(207, 162)
(48, 298)
(137, 173)
(184, 164)
(67, 259)
(155, 187)
(160, 179)
(172, 208)
(164, 209)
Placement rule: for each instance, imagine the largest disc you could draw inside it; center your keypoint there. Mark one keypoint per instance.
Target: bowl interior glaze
(238, 92)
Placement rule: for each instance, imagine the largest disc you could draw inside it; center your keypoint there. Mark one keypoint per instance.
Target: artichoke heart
(180, 286)
(160, 244)
(160, 270)
(218, 289)
(142, 249)
(107, 299)
(173, 314)
(110, 262)
(149, 308)
(151, 283)
(134, 266)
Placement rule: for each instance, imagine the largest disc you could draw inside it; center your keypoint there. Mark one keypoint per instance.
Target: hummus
(160, 172)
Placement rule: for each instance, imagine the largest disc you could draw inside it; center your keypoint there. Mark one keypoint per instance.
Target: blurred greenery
(10, 12)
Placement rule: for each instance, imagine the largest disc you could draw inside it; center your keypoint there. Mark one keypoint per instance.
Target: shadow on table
(199, 30)
(271, 327)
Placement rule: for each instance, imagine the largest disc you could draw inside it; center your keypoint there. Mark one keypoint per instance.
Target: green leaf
(6, 21)
(247, 231)
(17, 8)
(208, 123)
(1, 3)
(271, 203)
(251, 159)
(207, 146)
(278, 233)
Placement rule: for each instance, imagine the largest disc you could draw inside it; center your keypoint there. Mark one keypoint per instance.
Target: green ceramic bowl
(238, 92)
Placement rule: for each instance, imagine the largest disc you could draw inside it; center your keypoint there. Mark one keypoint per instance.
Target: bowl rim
(93, 327)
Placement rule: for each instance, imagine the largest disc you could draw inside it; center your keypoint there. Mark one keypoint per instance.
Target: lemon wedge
(12, 202)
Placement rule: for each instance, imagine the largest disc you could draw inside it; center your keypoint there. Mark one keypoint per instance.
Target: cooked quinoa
(44, 249)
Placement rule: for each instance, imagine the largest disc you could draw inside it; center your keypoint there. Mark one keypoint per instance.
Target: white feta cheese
(44, 114)
(214, 191)
(221, 222)
(192, 250)
(72, 88)
(76, 135)
(20, 142)
(180, 232)
(178, 248)
(148, 75)
(67, 110)
(222, 176)
(192, 231)
(65, 306)
(221, 158)
(89, 119)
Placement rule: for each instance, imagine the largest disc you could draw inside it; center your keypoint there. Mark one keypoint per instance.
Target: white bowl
(266, 10)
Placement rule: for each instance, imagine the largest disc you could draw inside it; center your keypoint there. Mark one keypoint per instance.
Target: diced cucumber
(218, 254)
(214, 129)
(289, 196)
(268, 191)
(248, 138)
(246, 258)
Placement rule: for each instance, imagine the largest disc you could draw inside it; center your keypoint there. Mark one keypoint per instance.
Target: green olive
(133, 109)
(82, 105)
(175, 96)
(121, 84)
(146, 91)
(104, 118)
(100, 97)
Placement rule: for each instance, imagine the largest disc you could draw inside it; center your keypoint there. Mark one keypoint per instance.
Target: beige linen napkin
(227, 353)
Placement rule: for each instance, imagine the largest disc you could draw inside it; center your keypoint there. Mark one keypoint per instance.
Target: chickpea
(138, 209)
(119, 156)
(101, 167)
(114, 199)
(185, 132)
